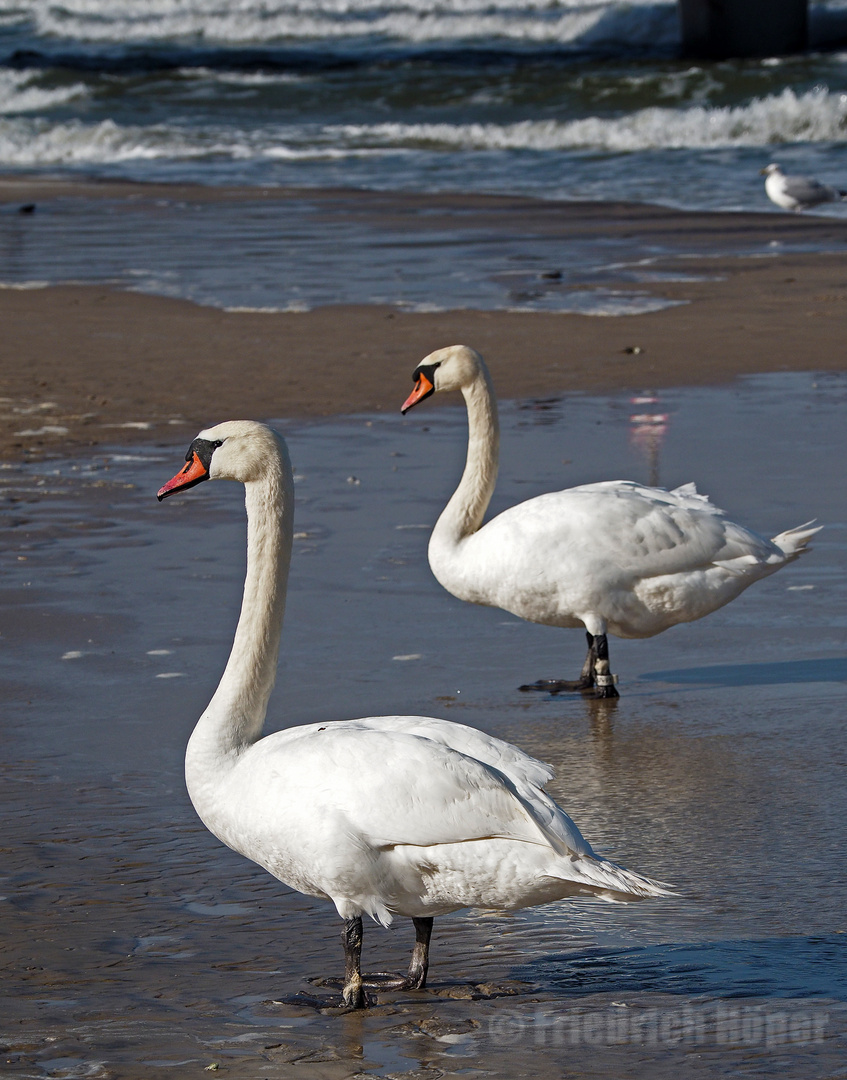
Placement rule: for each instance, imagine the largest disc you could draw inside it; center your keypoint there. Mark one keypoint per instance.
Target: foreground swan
(385, 816)
(614, 557)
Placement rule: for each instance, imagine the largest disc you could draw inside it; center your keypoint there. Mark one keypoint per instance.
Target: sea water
(574, 99)
(570, 101)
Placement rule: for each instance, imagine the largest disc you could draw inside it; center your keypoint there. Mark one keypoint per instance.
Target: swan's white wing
(398, 780)
(506, 758)
(639, 531)
(527, 775)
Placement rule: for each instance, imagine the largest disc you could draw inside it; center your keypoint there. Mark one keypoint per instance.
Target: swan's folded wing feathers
(688, 495)
(525, 776)
(644, 532)
(393, 787)
(641, 531)
(508, 759)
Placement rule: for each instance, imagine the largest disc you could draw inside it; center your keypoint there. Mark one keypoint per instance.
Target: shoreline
(710, 229)
(85, 365)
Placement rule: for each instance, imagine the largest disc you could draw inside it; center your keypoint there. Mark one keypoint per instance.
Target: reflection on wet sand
(134, 945)
(648, 430)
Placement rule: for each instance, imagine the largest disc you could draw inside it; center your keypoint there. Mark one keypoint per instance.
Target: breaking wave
(644, 23)
(817, 116)
(20, 92)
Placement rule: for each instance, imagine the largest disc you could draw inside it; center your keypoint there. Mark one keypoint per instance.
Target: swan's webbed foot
(595, 675)
(353, 993)
(390, 980)
(326, 1001)
(558, 686)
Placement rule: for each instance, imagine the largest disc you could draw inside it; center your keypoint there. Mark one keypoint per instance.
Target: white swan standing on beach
(797, 192)
(616, 557)
(385, 816)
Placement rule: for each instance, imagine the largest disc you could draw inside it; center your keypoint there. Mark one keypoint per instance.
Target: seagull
(797, 192)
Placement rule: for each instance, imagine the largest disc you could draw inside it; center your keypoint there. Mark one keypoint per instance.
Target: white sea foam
(632, 23)
(644, 22)
(817, 116)
(30, 143)
(242, 78)
(814, 117)
(20, 93)
(296, 307)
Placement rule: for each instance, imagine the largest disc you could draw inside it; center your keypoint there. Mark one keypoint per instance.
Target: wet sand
(85, 365)
(135, 945)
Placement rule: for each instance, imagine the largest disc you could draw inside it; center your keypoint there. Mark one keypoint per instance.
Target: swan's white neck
(463, 514)
(234, 717)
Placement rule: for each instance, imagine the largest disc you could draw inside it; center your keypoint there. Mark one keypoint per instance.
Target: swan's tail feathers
(615, 883)
(793, 542)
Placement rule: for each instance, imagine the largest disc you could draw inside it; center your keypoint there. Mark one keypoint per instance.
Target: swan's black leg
(418, 966)
(604, 680)
(353, 992)
(595, 674)
(352, 987)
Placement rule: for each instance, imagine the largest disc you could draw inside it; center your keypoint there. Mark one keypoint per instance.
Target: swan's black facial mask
(198, 462)
(424, 377)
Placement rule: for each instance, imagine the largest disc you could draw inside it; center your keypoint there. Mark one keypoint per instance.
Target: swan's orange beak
(423, 388)
(194, 472)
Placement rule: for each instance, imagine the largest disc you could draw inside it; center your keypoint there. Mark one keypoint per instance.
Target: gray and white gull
(797, 192)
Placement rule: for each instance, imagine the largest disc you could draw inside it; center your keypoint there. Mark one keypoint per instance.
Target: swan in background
(616, 557)
(385, 816)
(797, 192)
